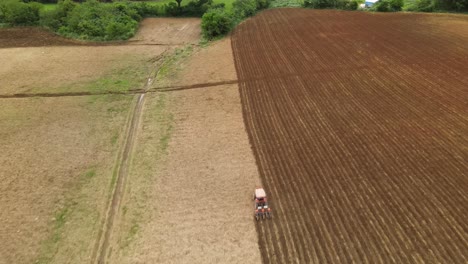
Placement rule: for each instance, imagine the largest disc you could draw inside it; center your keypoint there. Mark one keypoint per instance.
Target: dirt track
(359, 124)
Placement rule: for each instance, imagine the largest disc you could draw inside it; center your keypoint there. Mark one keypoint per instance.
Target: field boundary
(129, 92)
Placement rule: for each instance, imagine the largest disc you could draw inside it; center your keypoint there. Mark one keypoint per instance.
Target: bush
(41, 1)
(338, 4)
(388, 5)
(244, 8)
(452, 5)
(172, 9)
(16, 13)
(145, 10)
(195, 8)
(216, 22)
(57, 18)
(94, 20)
(262, 4)
(422, 6)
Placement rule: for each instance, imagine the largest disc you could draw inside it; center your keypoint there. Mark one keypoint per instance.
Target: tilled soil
(36, 37)
(359, 125)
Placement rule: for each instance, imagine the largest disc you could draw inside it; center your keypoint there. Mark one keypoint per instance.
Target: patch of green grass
(133, 231)
(162, 2)
(61, 217)
(286, 3)
(115, 138)
(48, 7)
(164, 118)
(114, 177)
(170, 64)
(118, 80)
(90, 174)
(227, 4)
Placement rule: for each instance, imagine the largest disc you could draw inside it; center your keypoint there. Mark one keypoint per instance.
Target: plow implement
(262, 210)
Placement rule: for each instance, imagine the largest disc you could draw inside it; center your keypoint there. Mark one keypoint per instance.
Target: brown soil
(359, 124)
(188, 197)
(33, 37)
(168, 31)
(218, 67)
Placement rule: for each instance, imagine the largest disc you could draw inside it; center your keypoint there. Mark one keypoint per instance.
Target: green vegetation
(16, 13)
(159, 121)
(170, 64)
(93, 20)
(388, 6)
(336, 4)
(286, 3)
(48, 7)
(63, 215)
(194, 8)
(436, 5)
(216, 22)
(90, 20)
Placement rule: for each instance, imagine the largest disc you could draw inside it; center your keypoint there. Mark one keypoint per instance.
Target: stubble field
(359, 125)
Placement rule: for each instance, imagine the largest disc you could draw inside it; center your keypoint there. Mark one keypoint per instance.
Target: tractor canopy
(260, 193)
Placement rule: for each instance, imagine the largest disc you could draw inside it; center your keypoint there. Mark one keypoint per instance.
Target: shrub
(424, 5)
(244, 8)
(56, 18)
(196, 8)
(216, 22)
(339, 4)
(262, 4)
(14, 12)
(453, 5)
(145, 10)
(172, 9)
(94, 20)
(388, 5)
(351, 5)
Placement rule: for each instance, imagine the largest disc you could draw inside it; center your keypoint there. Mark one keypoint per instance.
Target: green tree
(216, 22)
(179, 4)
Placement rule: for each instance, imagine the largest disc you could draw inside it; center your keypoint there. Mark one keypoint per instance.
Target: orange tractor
(262, 210)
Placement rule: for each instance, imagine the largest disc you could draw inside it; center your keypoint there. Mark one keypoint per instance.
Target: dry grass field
(59, 154)
(359, 125)
(57, 160)
(186, 191)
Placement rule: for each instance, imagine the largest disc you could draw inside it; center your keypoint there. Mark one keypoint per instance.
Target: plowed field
(359, 125)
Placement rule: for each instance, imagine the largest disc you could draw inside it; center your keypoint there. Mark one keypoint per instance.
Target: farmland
(93, 171)
(359, 126)
(138, 151)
